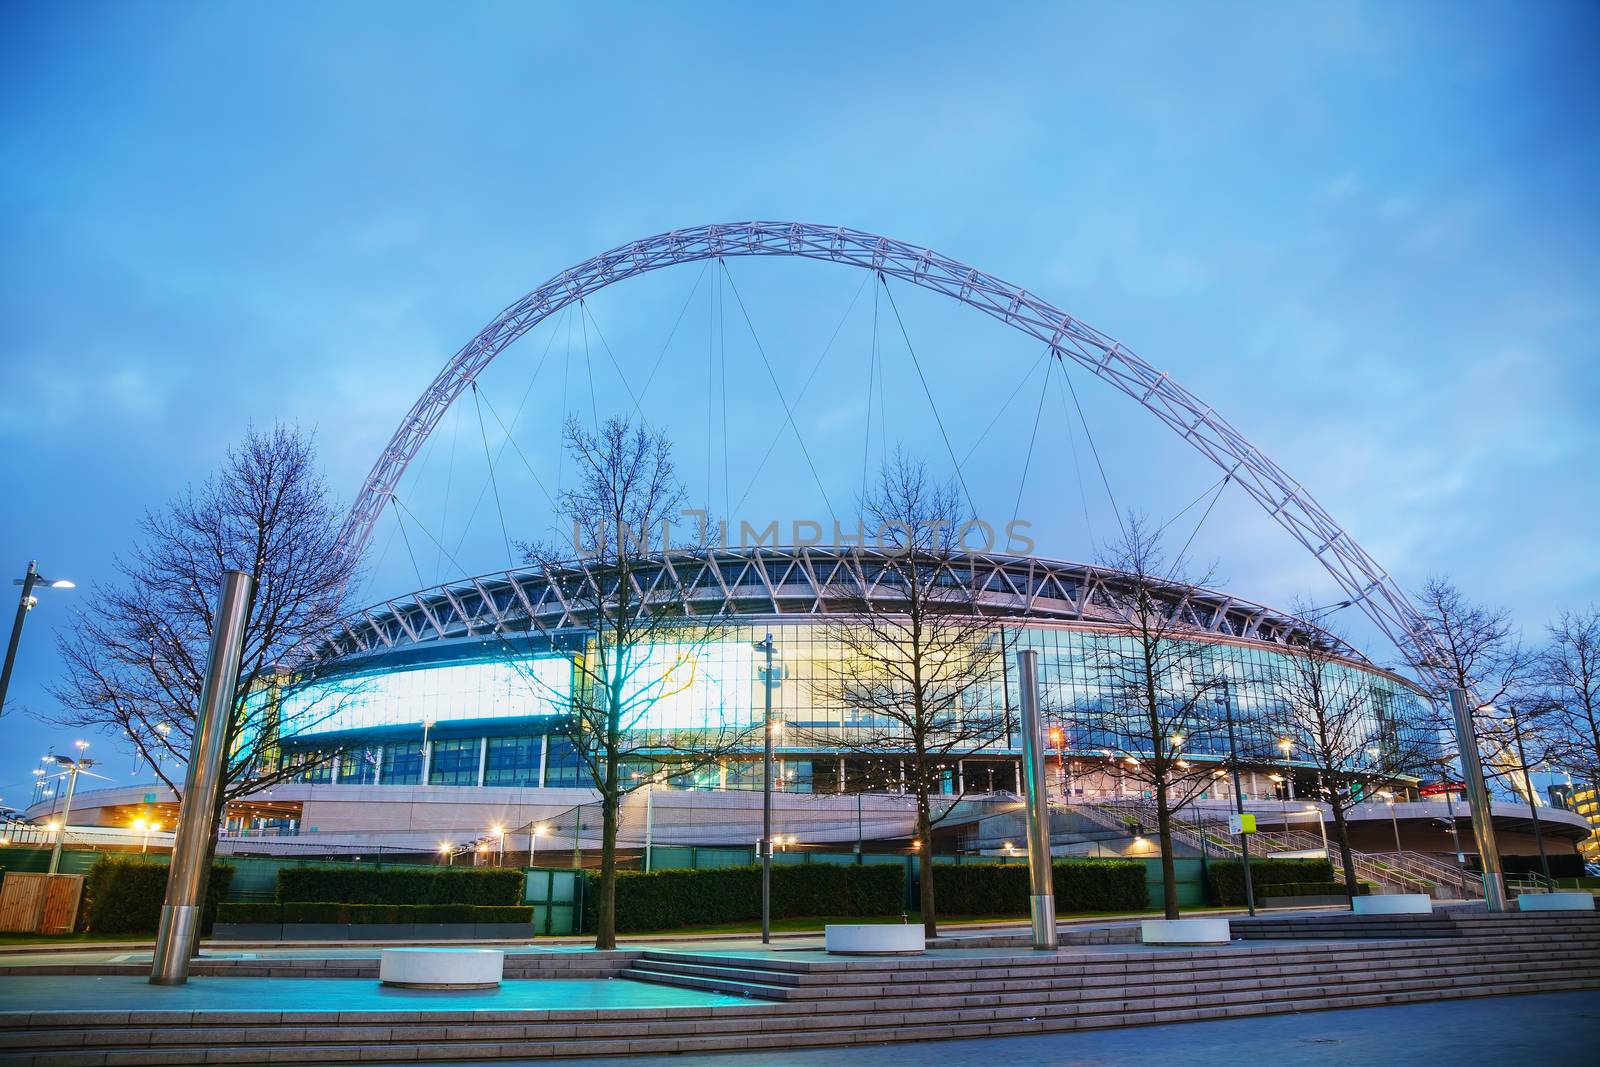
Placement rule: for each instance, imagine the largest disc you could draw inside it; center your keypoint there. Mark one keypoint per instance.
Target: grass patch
(66, 939)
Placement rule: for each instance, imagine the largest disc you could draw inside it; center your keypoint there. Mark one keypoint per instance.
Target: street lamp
(533, 844)
(500, 832)
(74, 767)
(28, 581)
(448, 851)
(1322, 826)
(1388, 798)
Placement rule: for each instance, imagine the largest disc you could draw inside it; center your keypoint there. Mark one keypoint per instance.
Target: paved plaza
(1549, 1030)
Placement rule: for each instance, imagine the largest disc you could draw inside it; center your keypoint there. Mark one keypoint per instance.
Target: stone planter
(881, 939)
(1184, 932)
(1394, 904)
(441, 968)
(1581, 900)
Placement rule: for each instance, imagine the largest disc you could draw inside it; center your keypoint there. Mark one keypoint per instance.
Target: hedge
(1003, 889)
(124, 896)
(1308, 889)
(1225, 878)
(318, 911)
(666, 900)
(400, 885)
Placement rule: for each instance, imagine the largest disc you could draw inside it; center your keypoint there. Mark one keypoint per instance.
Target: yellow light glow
(139, 824)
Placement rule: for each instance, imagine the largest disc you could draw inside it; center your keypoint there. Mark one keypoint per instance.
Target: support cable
(872, 371)
(638, 410)
(1178, 559)
(788, 411)
(1027, 462)
(1093, 449)
(804, 386)
(588, 366)
(722, 369)
(967, 458)
(1077, 467)
(515, 418)
(456, 563)
(400, 521)
(927, 392)
(493, 483)
(518, 450)
(660, 356)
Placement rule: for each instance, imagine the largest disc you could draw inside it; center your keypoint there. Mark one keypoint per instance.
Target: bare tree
(1567, 673)
(1337, 722)
(915, 658)
(1476, 648)
(135, 658)
(643, 649)
(1157, 702)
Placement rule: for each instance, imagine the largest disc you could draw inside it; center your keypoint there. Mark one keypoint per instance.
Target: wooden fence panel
(40, 903)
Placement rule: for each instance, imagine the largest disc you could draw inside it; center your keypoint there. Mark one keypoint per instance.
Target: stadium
(435, 723)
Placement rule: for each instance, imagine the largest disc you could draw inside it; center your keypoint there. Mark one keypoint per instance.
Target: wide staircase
(1392, 872)
(800, 999)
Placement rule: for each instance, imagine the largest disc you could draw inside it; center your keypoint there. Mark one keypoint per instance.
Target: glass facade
(716, 687)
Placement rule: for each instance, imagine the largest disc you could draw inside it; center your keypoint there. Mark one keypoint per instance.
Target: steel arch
(1195, 422)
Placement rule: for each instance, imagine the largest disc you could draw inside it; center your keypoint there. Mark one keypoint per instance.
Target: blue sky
(1366, 234)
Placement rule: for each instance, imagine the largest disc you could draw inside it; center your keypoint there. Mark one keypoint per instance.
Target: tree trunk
(605, 925)
(1169, 869)
(930, 921)
(1347, 859)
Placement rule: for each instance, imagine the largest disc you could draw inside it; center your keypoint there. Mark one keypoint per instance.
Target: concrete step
(647, 1038)
(892, 1012)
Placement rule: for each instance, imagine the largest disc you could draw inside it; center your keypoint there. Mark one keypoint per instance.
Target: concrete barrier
(441, 968)
(1582, 900)
(1394, 904)
(881, 939)
(1184, 932)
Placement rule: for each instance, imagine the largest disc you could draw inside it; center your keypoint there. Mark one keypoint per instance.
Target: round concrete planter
(1394, 904)
(1579, 901)
(441, 968)
(882, 939)
(1184, 932)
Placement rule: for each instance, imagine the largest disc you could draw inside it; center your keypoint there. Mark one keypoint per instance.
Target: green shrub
(236, 912)
(1225, 878)
(123, 896)
(666, 900)
(1003, 889)
(400, 885)
(322, 911)
(1307, 889)
(314, 911)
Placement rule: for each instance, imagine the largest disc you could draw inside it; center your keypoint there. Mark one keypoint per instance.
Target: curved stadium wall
(464, 684)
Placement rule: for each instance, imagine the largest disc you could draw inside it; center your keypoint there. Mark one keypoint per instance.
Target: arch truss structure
(1195, 422)
(800, 582)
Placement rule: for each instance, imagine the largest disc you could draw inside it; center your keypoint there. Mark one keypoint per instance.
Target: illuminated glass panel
(402, 763)
(454, 762)
(512, 761)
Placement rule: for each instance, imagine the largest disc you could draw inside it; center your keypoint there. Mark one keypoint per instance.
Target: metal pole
(1238, 799)
(1527, 781)
(1455, 835)
(766, 797)
(186, 876)
(1042, 894)
(649, 819)
(858, 826)
(66, 813)
(1396, 824)
(16, 630)
(1494, 883)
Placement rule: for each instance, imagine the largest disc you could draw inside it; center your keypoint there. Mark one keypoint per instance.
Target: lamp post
(533, 844)
(25, 604)
(448, 852)
(1238, 798)
(1322, 826)
(1388, 798)
(427, 756)
(500, 855)
(74, 768)
(765, 646)
(1041, 885)
(1527, 781)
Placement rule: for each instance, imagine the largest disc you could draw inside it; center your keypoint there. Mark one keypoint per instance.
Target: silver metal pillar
(186, 876)
(66, 815)
(1494, 883)
(1042, 894)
